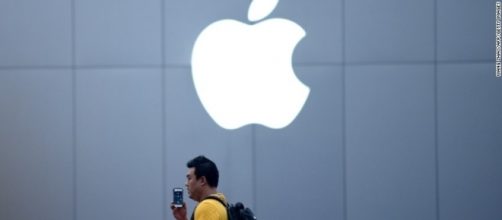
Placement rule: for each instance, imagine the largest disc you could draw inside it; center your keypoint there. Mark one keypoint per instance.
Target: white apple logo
(243, 74)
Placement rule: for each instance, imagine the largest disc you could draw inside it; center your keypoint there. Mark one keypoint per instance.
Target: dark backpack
(235, 211)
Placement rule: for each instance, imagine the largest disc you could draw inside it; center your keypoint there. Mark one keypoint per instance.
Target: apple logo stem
(243, 74)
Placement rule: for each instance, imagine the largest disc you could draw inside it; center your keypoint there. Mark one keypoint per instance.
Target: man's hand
(180, 213)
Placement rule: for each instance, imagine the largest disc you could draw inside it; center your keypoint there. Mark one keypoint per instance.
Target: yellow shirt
(210, 209)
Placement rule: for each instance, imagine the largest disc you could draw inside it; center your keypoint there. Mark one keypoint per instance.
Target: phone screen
(178, 197)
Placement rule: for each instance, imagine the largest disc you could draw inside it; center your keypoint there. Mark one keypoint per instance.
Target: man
(202, 181)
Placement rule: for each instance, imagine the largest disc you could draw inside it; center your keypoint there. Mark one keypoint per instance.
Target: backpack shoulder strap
(217, 199)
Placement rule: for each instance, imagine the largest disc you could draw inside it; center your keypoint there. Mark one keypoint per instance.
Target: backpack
(235, 211)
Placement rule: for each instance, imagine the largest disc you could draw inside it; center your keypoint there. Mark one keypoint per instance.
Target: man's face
(193, 185)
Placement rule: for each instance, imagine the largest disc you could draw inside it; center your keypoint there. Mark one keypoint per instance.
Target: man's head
(202, 177)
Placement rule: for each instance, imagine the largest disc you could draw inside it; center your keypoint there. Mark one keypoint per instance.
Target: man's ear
(203, 180)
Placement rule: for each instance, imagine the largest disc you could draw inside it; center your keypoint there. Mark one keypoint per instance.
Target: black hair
(205, 167)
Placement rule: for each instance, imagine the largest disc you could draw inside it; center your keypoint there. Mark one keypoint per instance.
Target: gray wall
(98, 113)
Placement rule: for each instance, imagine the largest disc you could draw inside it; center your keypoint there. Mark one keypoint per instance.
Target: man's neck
(208, 192)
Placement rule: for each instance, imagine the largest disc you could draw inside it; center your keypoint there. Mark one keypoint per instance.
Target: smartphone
(178, 197)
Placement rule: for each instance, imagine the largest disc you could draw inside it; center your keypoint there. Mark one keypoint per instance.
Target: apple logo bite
(243, 73)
